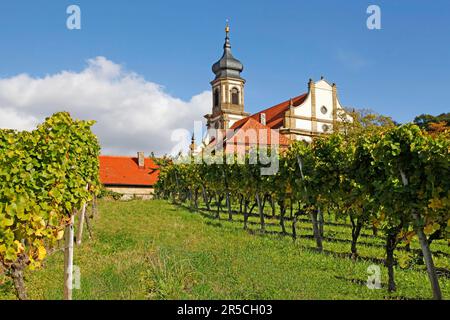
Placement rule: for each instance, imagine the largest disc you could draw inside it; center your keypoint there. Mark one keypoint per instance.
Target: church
(302, 117)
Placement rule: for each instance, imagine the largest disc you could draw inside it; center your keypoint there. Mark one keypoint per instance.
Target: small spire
(192, 146)
(227, 36)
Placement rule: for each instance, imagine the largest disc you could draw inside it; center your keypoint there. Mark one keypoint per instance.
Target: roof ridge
(280, 104)
(241, 122)
(117, 156)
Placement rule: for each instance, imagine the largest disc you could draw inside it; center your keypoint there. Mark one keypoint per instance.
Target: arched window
(234, 96)
(216, 98)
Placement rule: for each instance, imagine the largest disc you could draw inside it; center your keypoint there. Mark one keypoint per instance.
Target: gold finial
(227, 28)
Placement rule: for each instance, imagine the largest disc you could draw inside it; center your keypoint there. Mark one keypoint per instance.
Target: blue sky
(401, 70)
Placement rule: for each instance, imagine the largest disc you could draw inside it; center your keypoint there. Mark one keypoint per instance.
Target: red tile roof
(241, 134)
(275, 114)
(118, 170)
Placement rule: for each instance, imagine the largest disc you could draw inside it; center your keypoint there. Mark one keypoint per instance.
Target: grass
(155, 250)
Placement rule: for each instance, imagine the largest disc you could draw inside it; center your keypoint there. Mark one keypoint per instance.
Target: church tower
(227, 90)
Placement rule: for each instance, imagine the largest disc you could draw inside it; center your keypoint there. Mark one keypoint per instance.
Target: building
(133, 177)
(303, 117)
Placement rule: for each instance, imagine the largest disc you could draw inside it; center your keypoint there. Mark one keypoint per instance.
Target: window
(324, 110)
(263, 118)
(234, 96)
(216, 98)
(325, 128)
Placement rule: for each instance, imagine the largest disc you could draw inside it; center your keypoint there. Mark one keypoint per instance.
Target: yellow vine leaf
(60, 235)
(289, 189)
(41, 253)
(20, 247)
(435, 204)
(428, 229)
(409, 236)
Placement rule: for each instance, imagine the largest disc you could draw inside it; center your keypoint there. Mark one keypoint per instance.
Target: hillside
(155, 250)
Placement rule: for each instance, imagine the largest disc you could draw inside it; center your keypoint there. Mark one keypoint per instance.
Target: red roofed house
(130, 176)
(300, 118)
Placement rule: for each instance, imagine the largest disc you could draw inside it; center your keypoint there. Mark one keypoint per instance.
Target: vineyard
(156, 250)
(392, 180)
(47, 177)
(335, 209)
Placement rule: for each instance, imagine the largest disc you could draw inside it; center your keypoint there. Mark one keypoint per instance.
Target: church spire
(227, 89)
(192, 145)
(227, 36)
(227, 66)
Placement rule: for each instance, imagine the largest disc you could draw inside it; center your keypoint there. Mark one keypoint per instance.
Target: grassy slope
(154, 250)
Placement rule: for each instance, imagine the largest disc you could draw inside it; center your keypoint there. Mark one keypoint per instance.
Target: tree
(425, 120)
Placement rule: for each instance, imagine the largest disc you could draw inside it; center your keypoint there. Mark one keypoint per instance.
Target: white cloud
(11, 119)
(132, 114)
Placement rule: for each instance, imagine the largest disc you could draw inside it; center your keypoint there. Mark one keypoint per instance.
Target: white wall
(324, 98)
(233, 118)
(304, 110)
(303, 124)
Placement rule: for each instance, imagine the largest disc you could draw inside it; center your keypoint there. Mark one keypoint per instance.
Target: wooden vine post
(68, 259)
(81, 217)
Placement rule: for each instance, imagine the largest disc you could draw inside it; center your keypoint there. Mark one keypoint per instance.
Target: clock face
(324, 110)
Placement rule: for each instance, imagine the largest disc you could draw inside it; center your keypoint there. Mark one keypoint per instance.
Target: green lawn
(155, 250)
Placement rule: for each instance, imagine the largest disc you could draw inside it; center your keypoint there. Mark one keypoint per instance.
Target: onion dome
(228, 66)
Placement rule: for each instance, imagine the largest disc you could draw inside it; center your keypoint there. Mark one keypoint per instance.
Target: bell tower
(227, 89)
